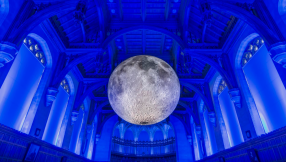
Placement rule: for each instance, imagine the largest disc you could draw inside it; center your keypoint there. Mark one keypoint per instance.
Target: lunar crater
(143, 90)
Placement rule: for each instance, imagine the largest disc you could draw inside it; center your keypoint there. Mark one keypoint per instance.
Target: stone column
(74, 117)
(198, 130)
(51, 95)
(89, 133)
(278, 54)
(235, 97)
(7, 54)
(212, 118)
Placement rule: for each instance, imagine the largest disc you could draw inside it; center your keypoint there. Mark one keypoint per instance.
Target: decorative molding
(278, 53)
(212, 118)
(235, 97)
(7, 53)
(74, 117)
(190, 139)
(51, 95)
(199, 131)
(97, 137)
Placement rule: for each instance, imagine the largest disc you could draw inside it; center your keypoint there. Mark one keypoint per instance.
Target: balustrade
(143, 148)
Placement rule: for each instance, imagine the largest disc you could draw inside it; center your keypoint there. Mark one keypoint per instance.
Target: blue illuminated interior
(230, 57)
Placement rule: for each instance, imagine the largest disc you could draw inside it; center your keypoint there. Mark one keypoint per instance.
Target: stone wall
(268, 147)
(14, 146)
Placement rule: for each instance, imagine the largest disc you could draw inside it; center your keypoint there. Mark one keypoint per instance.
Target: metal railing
(143, 148)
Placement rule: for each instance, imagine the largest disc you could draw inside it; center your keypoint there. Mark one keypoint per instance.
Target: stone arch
(209, 105)
(183, 147)
(62, 132)
(148, 27)
(56, 82)
(244, 86)
(195, 117)
(88, 91)
(267, 34)
(219, 113)
(128, 130)
(96, 110)
(103, 146)
(27, 123)
(20, 33)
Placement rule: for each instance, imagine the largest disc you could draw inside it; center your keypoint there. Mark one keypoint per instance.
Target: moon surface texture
(143, 90)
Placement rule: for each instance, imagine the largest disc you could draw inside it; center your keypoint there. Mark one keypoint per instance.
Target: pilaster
(74, 117)
(235, 97)
(212, 118)
(51, 95)
(7, 53)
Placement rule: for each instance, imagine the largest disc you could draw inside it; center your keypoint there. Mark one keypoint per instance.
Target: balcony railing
(143, 148)
(268, 147)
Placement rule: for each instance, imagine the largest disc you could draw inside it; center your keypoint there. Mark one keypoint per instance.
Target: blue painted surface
(183, 147)
(19, 88)
(76, 132)
(210, 133)
(103, 147)
(128, 135)
(56, 117)
(230, 118)
(267, 89)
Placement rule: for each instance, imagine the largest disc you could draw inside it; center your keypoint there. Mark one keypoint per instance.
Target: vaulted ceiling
(180, 23)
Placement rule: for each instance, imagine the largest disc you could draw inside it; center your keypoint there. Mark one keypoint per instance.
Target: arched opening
(229, 115)
(262, 84)
(218, 88)
(208, 130)
(25, 84)
(79, 128)
(57, 112)
(26, 127)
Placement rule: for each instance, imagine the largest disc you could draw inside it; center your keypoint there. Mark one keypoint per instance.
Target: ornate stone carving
(74, 117)
(51, 95)
(212, 118)
(7, 53)
(88, 129)
(278, 54)
(190, 139)
(97, 137)
(235, 97)
(198, 131)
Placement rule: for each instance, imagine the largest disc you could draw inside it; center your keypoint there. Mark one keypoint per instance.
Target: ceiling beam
(120, 9)
(143, 10)
(162, 43)
(167, 9)
(144, 40)
(125, 44)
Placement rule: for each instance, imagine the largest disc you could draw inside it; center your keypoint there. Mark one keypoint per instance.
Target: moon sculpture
(143, 90)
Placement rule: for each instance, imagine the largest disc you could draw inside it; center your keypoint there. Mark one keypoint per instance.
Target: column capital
(97, 137)
(278, 53)
(235, 97)
(7, 53)
(198, 131)
(212, 118)
(88, 128)
(74, 116)
(190, 139)
(51, 95)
